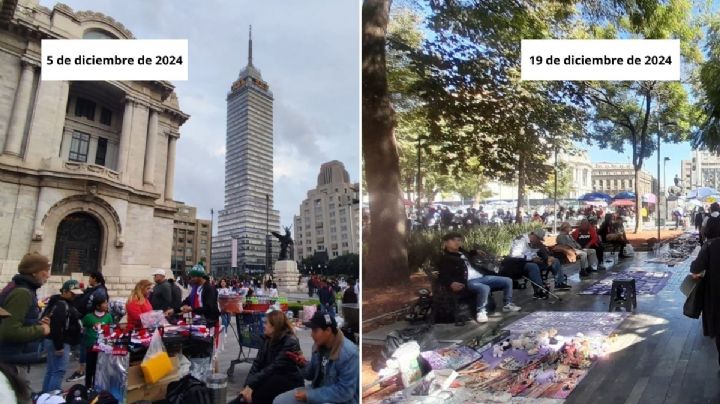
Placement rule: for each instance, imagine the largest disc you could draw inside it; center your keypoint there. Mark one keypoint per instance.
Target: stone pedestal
(286, 276)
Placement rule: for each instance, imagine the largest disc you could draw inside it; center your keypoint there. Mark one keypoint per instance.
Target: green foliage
(564, 184)
(708, 137)
(424, 247)
(635, 114)
(348, 265)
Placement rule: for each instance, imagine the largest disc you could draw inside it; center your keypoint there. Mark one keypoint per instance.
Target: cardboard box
(138, 390)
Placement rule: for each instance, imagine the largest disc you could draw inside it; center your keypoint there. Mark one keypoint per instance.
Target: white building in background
(702, 170)
(581, 169)
(329, 216)
(86, 167)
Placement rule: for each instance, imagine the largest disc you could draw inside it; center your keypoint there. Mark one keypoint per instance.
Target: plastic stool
(620, 287)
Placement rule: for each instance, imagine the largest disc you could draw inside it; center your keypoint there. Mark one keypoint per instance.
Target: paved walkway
(662, 355)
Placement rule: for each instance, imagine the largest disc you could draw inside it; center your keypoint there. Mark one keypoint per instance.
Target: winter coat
(65, 325)
(452, 267)
(86, 302)
(708, 260)
(20, 299)
(209, 298)
(342, 374)
(162, 296)
(272, 360)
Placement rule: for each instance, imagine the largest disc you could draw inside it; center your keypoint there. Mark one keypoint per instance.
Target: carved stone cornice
(93, 16)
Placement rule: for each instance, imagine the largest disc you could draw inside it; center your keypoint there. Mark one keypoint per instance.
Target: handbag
(694, 303)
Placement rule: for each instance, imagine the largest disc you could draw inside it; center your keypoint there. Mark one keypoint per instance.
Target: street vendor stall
(541, 357)
(139, 364)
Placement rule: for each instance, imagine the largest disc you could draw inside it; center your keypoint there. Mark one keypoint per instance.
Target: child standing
(93, 323)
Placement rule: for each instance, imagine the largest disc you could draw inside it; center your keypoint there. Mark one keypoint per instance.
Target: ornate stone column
(18, 118)
(150, 149)
(125, 139)
(170, 167)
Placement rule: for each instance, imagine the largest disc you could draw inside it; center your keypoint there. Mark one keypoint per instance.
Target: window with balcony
(101, 152)
(79, 147)
(85, 108)
(105, 116)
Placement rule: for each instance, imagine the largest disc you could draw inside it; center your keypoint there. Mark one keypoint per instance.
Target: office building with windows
(328, 220)
(243, 243)
(192, 240)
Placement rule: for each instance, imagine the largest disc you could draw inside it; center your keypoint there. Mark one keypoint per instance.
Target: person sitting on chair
(586, 236)
(530, 246)
(273, 372)
(458, 273)
(586, 256)
(612, 231)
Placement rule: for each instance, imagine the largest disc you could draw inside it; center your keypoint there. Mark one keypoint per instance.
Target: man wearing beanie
(203, 298)
(21, 334)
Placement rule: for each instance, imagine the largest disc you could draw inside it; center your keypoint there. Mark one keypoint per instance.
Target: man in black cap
(333, 368)
(458, 273)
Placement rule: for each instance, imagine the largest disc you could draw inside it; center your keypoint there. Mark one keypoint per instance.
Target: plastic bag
(156, 364)
(153, 319)
(183, 366)
(407, 358)
(629, 250)
(200, 368)
(111, 374)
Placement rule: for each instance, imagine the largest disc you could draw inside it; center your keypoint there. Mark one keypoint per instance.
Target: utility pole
(267, 234)
(555, 210)
(665, 160)
(657, 200)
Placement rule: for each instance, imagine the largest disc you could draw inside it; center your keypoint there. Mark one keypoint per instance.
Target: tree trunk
(638, 200)
(521, 187)
(387, 262)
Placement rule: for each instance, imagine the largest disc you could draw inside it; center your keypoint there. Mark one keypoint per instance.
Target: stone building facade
(702, 170)
(86, 168)
(612, 178)
(328, 219)
(192, 240)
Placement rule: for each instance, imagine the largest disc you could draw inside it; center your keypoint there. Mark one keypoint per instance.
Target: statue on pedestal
(285, 241)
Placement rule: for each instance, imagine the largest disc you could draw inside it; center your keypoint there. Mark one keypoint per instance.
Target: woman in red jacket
(586, 236)
(138, 303)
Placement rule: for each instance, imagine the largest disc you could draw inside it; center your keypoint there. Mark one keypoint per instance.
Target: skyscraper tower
(248, 217)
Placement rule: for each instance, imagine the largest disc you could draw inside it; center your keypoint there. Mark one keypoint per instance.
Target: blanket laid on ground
(646, 282)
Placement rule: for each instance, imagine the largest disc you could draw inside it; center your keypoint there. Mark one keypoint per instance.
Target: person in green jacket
(93, 323)
(22, 333)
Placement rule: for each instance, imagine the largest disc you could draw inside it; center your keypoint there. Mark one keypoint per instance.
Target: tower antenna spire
(250, 48)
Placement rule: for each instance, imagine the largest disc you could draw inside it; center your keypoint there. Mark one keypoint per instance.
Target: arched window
(96, 33)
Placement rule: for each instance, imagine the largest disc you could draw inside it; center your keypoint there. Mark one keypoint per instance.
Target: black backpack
(72, 320)
(188, 390)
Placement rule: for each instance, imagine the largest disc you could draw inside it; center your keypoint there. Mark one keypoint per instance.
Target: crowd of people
(70, 321)
(443, 218)
(476, 273)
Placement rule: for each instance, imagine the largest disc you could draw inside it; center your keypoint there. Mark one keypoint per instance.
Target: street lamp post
(657, 201)
(555, 208)
(665, 188)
